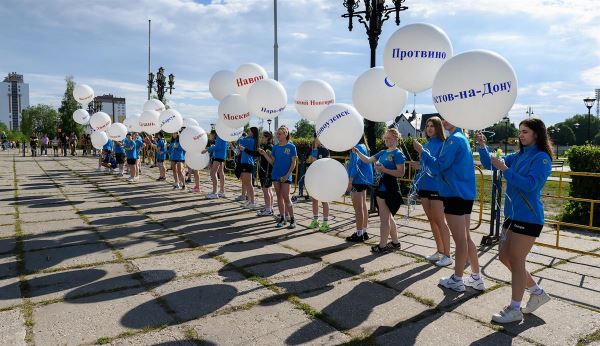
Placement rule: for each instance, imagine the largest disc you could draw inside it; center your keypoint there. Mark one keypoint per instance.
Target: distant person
(33, 142)
(44, 142)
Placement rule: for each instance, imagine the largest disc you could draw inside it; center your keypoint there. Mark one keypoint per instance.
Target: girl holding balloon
(390, 164)
(264, 173)
(218, 151)
(526, 173)
(177, 158)
(283, 158)
(429, 194)
(247, 165)
(456, 172)
(360, 176)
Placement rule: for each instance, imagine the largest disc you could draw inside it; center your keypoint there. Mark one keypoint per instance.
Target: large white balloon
(187, 122)
(312, 97)
(414, 54)
(475, 89)
(83, 94)
(245, 76)
(149, 122)
(100, 121)
(193, 139)
(339, 127)
(132, 122)
(99, 138)
(117, 132)
(234, 111)
(154, 105)
(196, 160)
(81, 116)
(326, 180)
(227, 133)
(221, 84)
(376, 97)
(170, 121)
(266, 99)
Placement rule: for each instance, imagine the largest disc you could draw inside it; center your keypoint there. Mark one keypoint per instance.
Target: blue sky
(553, 45)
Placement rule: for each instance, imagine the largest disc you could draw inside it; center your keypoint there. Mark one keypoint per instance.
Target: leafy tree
(379, 130)
(562, 134)
(3, 127)
(42, 119)
(303, 129)
(501, 131)
(579, 124)
(68, 106)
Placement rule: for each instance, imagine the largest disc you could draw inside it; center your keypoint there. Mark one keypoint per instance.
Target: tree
(303, 129)
(562, 134)
(501, 132)
(42, 119)
(379, 129)
(579, 124)
(67, 107)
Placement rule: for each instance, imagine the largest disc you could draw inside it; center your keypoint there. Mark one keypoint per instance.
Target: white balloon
(326, 180)
(99, 138)
(170, 121)
(339, 127)
(83, 94)
(193, 139)
(81, 116)
(221, 84)
(132, 123)
(234, 111)
(266, 99)
(187, 122)
(154, 105)
(475, 89)
(245, 76)
(100, 121)
(196, 160)
(414, 54)
(312, 97)
(227, 133)
(149, 122)
(117, 132)
(376, 97)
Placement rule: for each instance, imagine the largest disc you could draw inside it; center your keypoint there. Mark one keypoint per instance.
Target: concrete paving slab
(316, 242)
(7, 231)
(49, 216)
(67, 257)
(59, 239)
(131, 247)
(492, 268)
(170, 336)
(7, 219)
(85, 320)
(53, 226)
(249, 253)
(573, 287)
(12, 328)
(10, 292)
(359, 259)
(8, 266)
(182, 263)
(200, 296)
(588, 266)
(361, 307)
(7, 245)
(279, 324)
(545, 326)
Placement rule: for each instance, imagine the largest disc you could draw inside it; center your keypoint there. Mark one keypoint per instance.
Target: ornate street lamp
(161, 83)
(589, 103)
(529, 112)
(372, 17)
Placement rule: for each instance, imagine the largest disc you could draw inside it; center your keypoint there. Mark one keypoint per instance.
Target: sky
(553, 46)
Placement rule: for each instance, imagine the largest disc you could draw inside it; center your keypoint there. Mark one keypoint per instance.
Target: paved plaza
(87, 258)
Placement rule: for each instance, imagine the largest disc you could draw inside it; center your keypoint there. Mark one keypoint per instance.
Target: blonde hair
(437, 125)
(285, 130)
(394, 133)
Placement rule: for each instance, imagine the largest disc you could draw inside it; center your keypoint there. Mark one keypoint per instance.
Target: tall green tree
(42, 119)
(562, 134)
(67, 107)
(502, 131)
(303, 129)
(579, 124)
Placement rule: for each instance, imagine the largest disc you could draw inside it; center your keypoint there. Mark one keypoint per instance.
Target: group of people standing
(445, 185)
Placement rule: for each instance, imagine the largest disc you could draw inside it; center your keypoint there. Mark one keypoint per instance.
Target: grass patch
(307, 309)
(191, 334)
(422, 300)
(104, 340)
(493, 288)
(588, 339)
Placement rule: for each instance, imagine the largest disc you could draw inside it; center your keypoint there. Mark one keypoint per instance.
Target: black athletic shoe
(355, 238)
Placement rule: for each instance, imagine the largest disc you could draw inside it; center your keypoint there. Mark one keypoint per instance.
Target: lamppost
(161, 83)
(589, 103)
(556, 130)
(529, 112)
(376, 12)
(269, 122)
(506, 120)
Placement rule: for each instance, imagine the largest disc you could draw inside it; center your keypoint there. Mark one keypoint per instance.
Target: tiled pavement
(88, 258)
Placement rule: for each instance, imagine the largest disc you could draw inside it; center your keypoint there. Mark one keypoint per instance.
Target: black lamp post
(162, 85)
(376, 12)
(529, 112)
(589, 103)
(269, 122)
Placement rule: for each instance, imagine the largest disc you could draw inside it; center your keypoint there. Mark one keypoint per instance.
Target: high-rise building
(113, 106)
(14, 98)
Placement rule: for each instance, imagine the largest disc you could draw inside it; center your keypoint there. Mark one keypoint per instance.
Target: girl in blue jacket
(177, 157)
(360, 176)
(526, 173)
(161, 156)
(218, 151)
(247, 165)
(456, 172)
(430, 197)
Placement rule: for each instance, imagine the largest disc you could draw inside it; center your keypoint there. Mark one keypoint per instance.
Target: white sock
(359, 232)
(515, 305)
(536, 290)
(456, 278)
(475, 276)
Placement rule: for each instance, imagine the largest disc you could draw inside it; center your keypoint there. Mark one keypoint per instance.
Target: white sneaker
(508, 315)
(212, 196)
(450, 283)
(98, 169)
(535, 301)
(476, 284)
(221, 195)
(130, 180)
(250, 205)
(444, 261)
(120, 174)
(435, 257)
